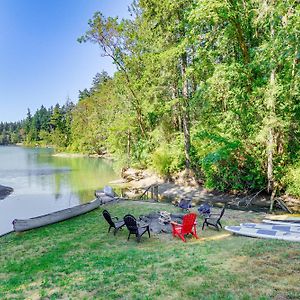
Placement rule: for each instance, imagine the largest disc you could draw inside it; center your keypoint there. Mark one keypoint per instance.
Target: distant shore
(76, 155)
(69, 155)
(5, 191)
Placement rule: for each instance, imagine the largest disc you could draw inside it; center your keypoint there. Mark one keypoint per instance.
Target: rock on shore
(5, 191)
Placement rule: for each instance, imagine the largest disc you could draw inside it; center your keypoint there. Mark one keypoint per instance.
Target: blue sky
(41, 61)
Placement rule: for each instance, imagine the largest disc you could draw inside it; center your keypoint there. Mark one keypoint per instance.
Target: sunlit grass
(78, 259)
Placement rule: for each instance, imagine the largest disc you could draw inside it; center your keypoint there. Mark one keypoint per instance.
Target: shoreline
(69, 155)
(135, 182)
(79, 155)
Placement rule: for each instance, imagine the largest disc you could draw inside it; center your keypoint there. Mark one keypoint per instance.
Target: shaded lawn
(78, 259)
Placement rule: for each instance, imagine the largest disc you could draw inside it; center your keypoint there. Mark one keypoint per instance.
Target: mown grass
(78, 259)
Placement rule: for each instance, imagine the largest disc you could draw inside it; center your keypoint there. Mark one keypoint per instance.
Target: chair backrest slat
(107, 217)
(185, 203)
(188, 222)
(204, 209)
(130, 222)
(222, 213)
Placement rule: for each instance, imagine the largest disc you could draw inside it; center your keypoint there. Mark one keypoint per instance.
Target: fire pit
(161, 221)
(165, 217)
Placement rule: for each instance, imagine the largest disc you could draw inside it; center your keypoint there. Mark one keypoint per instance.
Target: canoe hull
(27, 224)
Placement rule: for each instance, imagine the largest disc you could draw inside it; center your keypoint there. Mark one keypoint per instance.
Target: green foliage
(292, 180)
(226, 68)
(11, 133)
(162, 161)
(226, 165)
(167, 155)
(46, 137)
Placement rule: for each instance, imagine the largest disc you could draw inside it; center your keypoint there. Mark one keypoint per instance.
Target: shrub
(292, 180)
(161, 161)
(167, 159)
(226, 165)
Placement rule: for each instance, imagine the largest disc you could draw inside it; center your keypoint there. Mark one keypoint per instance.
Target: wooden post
(128, 148)
(272, 199)
(152, 194)
(156, 193)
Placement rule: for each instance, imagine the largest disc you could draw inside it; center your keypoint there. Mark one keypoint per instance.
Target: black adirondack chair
(214, 220)
(112, 221)
(204, 210)
(185, 204)
(134, 228)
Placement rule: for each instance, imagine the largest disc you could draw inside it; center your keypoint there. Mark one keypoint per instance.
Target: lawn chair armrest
(210, 215)
(175, 224)
(142, 218)
(143, 224)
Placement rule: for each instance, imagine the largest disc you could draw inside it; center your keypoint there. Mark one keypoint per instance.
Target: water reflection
(44, 183)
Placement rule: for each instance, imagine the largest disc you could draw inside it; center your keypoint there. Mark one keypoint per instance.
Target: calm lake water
(43, 183)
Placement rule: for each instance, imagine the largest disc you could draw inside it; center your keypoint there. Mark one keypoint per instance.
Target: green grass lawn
(78, 259)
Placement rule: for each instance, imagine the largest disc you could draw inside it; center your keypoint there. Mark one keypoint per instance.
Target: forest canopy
(207, 86)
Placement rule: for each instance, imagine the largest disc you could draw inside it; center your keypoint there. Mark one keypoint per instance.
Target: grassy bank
(77, 259)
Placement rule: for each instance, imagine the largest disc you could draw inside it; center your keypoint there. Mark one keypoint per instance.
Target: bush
(227, 166)
(292, 180)
(231, 171)
(161, 161)
(167, 159)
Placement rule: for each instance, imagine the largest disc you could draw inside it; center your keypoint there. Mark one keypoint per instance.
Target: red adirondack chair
(188, 226)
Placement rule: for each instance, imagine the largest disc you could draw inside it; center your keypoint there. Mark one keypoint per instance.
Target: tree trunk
(239, 32)
(272, 199)
(176, 115)
(185, 113)
(136, 102)
(128, 147)
(271, 141)
(270, 154)
(271, 104)
(242, 42)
